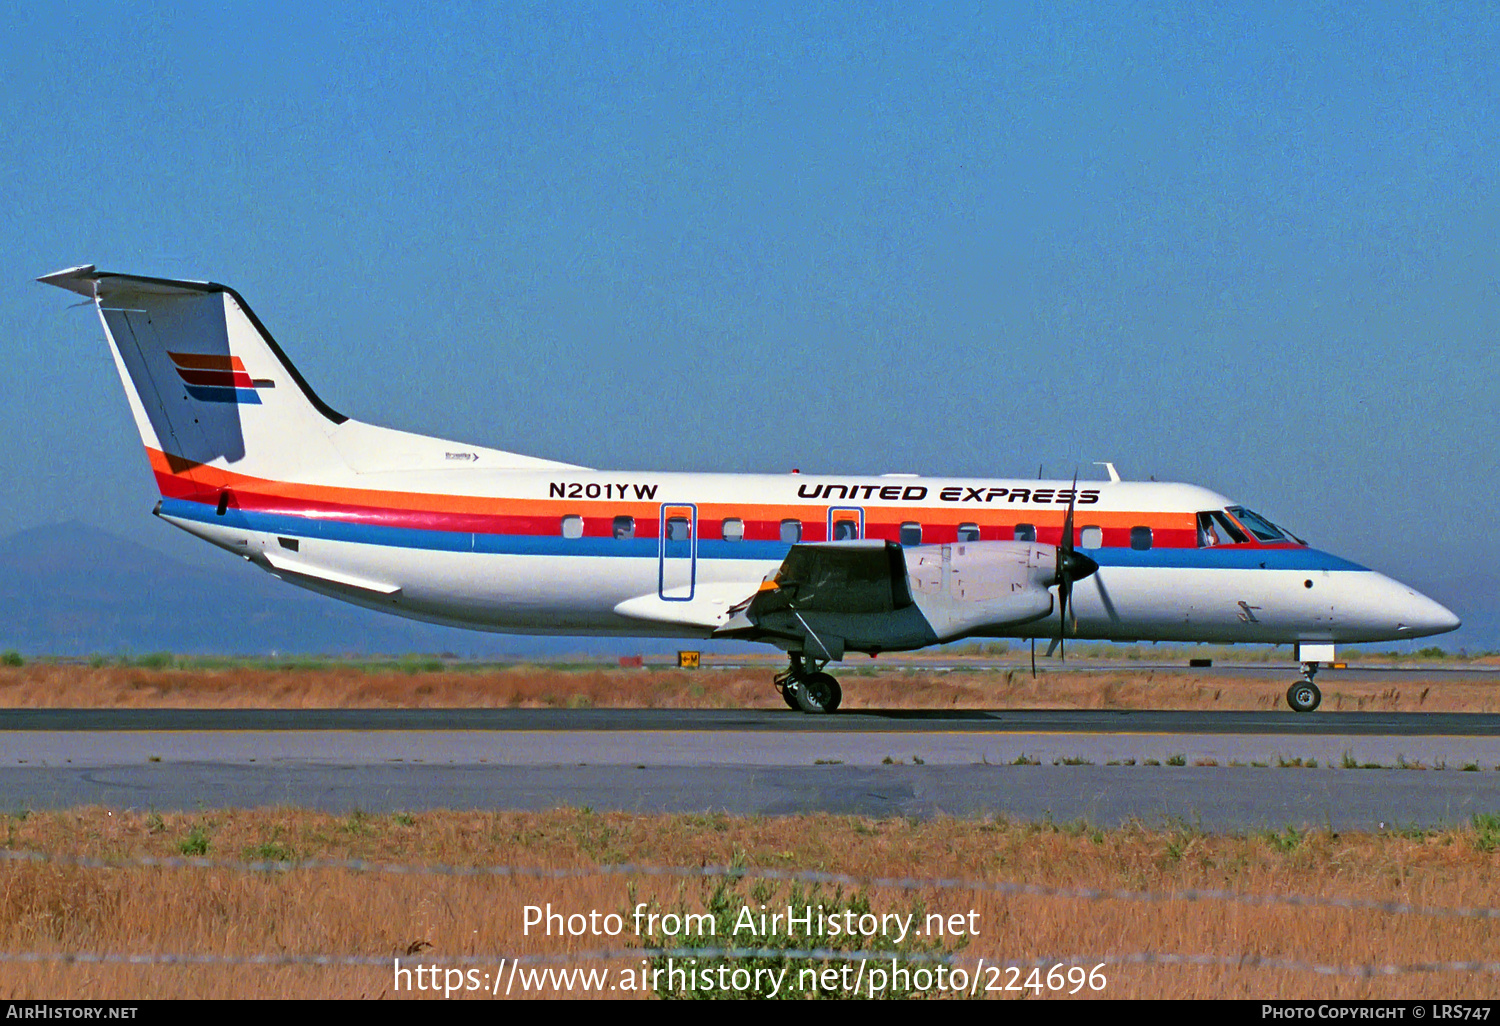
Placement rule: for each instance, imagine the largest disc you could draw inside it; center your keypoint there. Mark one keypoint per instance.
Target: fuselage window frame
(1025, 533)
(733, 533)
(911, 533)
(1213, 523)
(624, 527)
(1141, 538)
(571, 526)
(791, 532)
(1264, 531)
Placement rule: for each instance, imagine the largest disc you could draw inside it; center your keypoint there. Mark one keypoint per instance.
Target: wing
(876, 596)
(827, 598)
(862, 577)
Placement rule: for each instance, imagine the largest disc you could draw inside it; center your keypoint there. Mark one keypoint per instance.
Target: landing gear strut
(1304, 695)
(805, 687)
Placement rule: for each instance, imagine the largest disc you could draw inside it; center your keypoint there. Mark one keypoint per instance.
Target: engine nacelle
(973, 587)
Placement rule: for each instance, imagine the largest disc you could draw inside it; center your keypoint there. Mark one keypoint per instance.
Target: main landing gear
(805, 687)
(1304, 695)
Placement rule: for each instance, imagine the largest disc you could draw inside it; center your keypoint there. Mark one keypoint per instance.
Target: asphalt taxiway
(1220, 771)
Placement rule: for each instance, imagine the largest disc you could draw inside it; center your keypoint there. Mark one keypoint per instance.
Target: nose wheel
(1304, 695)
(807, 688)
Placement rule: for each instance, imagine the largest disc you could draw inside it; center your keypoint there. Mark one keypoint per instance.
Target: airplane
(249, 458)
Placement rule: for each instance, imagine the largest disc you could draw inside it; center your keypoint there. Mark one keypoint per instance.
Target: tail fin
(205, 380)
(208, 385)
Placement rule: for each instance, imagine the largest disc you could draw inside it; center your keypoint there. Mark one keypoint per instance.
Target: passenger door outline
(676, 557)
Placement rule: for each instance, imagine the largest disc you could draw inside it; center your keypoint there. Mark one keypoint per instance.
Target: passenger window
(734, 529)
(791, 531)
(911, 534)
(968, 532)
(1026, 532)
(572, 527)
(1091, 538)
(624, 527)
(677, 529)
(1140, 537)
(845, 530)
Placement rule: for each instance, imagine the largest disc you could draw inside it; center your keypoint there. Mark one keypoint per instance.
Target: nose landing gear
(1304, 695)
(805, 687)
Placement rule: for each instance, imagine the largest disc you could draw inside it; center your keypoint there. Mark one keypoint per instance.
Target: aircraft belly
(486, 591)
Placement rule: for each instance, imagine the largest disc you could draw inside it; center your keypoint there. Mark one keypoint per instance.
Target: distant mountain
(72, 589)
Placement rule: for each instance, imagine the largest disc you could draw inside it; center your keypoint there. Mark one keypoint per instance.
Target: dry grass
(51, 908)
(228, 913)
(55, 685)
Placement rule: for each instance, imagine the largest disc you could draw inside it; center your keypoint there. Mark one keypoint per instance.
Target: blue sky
(1254, 249)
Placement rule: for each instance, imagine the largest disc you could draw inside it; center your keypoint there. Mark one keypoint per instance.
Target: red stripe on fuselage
(536, 523)
(180, 479)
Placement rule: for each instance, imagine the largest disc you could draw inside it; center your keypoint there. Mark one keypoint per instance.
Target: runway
(779, 721)
(1219, 771)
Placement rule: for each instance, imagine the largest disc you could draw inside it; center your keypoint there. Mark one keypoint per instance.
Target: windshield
(1258, 525)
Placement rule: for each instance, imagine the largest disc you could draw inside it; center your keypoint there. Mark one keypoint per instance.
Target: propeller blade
(1067, 534)
(1072, 565)
(1033, 657)
(1064, 589)
(1066, 564)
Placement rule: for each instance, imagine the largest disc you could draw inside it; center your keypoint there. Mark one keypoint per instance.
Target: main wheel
(1304, 696)
(819, 693)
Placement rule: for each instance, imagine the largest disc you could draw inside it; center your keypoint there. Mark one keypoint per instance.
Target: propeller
(1071, 566)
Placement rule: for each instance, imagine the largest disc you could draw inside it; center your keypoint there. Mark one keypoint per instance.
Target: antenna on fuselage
(1114, 475)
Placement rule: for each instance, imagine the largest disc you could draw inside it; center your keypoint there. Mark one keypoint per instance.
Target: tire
(1304, 696)
(789, 692)
(819, 693)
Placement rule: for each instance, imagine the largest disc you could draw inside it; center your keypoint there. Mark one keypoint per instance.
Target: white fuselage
(525, 574)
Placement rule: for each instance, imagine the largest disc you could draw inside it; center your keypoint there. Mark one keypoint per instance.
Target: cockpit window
(1214, 528)
(1289, 534)
(1258, 525)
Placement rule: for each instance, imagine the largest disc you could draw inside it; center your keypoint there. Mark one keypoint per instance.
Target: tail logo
(213, 378)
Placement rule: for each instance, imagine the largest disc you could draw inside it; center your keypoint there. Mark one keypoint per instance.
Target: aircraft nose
(1421, 615)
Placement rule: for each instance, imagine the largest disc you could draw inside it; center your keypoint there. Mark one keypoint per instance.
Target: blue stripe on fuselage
(1229, 557)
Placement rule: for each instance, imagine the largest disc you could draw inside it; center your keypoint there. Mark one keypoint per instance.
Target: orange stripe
(931, 516)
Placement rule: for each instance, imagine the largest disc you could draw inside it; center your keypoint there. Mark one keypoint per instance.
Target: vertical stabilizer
(206, 383)
(209, 386)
